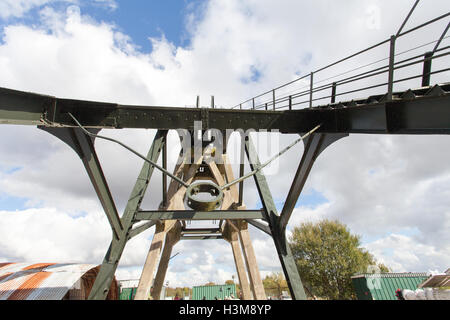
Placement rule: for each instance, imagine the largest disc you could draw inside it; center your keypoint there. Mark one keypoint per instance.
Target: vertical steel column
(284, 251)
(164, 176)
(241, 171)
(311, 89)
(274, 100)
(426, 76)
(391, 68)
(104, 278)
(333, 92)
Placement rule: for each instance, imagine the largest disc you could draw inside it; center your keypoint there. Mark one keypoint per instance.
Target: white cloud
(404, 254)
(376, 184)
(18, 8)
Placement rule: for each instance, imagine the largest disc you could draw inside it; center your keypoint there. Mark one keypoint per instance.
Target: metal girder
(108, 268)
(314, 145)
(84, 146)
(199, 215)
(201, 231)
(260, 226)
(422, 114)
(278, 234)
(201, 237)
(138, 230)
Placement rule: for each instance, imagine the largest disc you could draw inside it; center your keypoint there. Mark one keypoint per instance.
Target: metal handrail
(273, 101)
(361, 76)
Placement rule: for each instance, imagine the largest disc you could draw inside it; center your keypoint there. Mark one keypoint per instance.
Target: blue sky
(138, 19)
(144, 19)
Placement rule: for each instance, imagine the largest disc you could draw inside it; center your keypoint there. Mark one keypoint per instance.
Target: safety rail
(306, 95)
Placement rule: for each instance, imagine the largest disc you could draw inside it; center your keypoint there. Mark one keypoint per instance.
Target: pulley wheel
(204, 196)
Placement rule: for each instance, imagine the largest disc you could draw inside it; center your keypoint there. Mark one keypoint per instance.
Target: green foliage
(327, 255)
(274, 284)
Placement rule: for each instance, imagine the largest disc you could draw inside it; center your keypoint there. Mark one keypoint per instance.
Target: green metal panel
(127, 294)
(361, 289)
(386, 285)
(211, 292)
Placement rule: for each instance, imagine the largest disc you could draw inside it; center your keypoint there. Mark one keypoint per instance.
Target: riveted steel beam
(423, 114)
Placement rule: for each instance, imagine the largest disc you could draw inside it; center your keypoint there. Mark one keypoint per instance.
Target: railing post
(240, 106)
(290, 102)
(427, 69)
(198, 102)
(266, 106)
(273, 98)
(311, 89)
(391, 68)
(253, 103)
(333, 93)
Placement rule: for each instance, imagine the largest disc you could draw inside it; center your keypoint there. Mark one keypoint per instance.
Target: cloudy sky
(394, 191)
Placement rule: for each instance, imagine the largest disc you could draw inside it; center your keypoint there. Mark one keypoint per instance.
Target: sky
(394, 191)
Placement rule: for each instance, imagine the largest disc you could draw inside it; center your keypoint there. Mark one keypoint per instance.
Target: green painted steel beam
(138, 230)
(84, 146)
(260, 226)
(314, 146)
(419, 113)
(199, 215)
(278, 234)
(201, 237)
(18, 107)
(110, 262)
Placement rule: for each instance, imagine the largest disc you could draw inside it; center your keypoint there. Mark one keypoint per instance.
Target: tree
(275, 284)
(327, 256)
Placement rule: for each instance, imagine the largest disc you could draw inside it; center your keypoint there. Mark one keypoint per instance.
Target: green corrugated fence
(383, 286)
(127, 293)
(213, 292)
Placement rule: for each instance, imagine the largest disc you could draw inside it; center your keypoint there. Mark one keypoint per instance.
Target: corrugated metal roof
(39, 281)
(211, 292)
(436, 281)
(383, 286)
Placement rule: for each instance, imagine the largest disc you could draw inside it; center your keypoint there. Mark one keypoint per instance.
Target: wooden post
(250, 260)
(145, 282)
(240, 268)
(172, 237)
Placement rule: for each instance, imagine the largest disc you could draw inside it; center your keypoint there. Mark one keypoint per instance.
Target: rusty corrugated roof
(39, 281)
